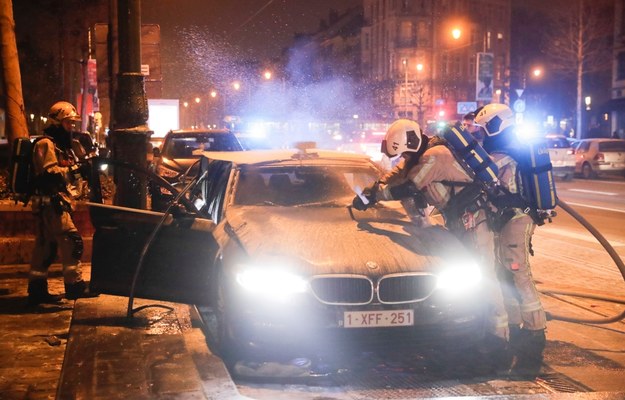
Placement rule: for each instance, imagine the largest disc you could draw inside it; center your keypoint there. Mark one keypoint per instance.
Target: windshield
(303, 185)
(190, 146)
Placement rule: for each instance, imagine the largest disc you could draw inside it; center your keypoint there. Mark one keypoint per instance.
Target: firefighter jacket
(433, 172)
(509, 179)
(56, 172)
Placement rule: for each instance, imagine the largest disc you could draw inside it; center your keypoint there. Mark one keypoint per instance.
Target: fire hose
(615, 257)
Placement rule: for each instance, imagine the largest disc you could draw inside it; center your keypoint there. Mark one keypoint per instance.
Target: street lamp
(405, 62)
(420, 94)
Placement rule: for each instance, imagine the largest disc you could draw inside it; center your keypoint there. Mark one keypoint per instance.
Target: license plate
(377, 319)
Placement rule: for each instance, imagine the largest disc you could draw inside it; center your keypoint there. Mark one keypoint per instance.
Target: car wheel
(587, 172)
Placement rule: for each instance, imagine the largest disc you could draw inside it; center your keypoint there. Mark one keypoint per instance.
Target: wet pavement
(89, 349)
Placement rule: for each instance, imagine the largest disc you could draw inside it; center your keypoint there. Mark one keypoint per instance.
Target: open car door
(176, 266)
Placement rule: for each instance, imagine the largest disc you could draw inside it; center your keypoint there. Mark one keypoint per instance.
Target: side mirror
(156, 152)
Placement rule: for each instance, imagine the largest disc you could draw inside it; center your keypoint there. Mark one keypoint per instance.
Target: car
(179, 150)
(288, 267)
(594, 157)
(562, 156)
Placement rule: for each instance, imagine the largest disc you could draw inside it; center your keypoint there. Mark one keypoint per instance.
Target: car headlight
(460, 277)
(273, 283)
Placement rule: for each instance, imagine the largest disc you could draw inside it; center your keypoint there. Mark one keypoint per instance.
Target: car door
(161, 257)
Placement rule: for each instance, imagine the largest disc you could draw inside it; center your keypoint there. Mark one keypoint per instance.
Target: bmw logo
(372, 265)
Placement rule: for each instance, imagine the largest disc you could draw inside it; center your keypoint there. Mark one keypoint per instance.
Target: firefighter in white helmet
(429, 170)
(57, 175)
(513, 234)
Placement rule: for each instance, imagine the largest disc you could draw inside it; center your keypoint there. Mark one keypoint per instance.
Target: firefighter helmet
(403, 135)
(62, 110)
(494, 118)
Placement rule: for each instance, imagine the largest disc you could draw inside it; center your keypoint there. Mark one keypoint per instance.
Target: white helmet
(62, 110)
(494, 118)
(403, 135)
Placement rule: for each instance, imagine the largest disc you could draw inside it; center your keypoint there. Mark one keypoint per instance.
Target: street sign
(463, 107)
(519, 106)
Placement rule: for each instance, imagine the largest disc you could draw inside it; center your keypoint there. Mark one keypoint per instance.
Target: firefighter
(468, 122)
(56, 179)
(429, 171)
(513, 238)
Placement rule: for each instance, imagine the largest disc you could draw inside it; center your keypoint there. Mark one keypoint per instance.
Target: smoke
(309, 99)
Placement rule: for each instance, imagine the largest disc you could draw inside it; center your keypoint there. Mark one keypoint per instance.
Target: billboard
(484, 78)
(163, 116)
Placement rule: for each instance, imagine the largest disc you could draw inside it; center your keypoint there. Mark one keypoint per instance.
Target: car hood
(327, 240)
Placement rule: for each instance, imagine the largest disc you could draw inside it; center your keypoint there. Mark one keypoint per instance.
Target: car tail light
(599, 157)
(570, 151)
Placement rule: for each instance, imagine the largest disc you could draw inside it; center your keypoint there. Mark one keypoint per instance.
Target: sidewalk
(32, 340)
(98, 353)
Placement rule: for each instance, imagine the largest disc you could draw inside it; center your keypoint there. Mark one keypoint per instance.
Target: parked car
(287, 265)
(180, 150)
(562, 156)
(594, 157)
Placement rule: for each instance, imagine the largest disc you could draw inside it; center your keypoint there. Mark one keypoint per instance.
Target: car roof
(269, 156)
(601, 140)
(199, 131)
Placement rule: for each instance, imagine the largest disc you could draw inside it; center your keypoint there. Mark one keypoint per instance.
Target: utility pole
(130, 135)
(15, 110)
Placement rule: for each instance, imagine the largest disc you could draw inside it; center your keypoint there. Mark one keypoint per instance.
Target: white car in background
(595, 157)
(562, 156)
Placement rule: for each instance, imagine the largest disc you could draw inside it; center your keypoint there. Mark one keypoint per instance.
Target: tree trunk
(15, 112)
(580, 72)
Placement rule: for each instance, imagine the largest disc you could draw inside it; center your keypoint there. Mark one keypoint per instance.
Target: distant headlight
(459, 277)
(273, 283)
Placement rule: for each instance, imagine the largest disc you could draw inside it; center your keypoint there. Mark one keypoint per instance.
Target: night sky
(258, 28)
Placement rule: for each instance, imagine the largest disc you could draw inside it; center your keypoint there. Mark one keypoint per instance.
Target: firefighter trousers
(479, 238)
(521, 297)
(55, 232)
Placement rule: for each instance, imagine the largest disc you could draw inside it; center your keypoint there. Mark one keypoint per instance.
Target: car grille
(359, 289)
(342, 289)
(402, 288)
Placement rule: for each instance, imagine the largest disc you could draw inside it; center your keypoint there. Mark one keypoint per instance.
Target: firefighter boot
(38, 293)
(529, 354)
(78, 290)
(497, 354)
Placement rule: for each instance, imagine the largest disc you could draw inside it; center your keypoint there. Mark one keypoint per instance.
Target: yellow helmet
(403, 135)
(62, 110)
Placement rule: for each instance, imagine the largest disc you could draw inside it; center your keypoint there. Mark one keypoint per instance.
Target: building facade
(617, 104)
(433, 60)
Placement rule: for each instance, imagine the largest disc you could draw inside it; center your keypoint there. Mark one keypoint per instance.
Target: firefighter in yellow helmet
(430, 171)
(57, 175)
(513, 243)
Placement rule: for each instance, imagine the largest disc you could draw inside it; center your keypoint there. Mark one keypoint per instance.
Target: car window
(612, 146)
(190, 146)
(583, 146)
(304, 185)
(558, 143)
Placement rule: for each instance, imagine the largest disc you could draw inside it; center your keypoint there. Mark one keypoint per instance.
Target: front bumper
(305, 328)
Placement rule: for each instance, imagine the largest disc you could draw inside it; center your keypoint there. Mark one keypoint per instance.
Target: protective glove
(403, 190)
(406, 190)
(368, 193)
